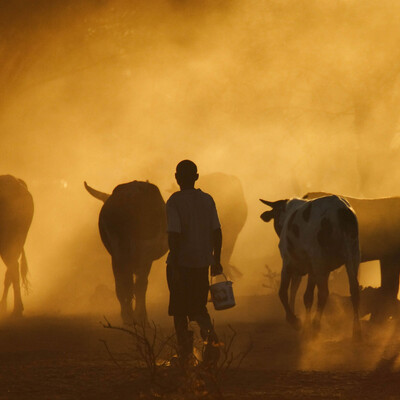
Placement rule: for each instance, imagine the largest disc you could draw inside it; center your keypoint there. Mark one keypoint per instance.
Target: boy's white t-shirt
(193, 214)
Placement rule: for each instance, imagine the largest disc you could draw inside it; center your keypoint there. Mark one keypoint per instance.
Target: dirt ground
(64, 357)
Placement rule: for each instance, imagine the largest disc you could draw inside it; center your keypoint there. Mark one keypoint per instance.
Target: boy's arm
(174, 243)
(216, 268)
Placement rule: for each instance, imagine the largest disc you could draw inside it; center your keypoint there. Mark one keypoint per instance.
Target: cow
(316, 237)
(16, 213)
(379, 234)
(133, 229)
(370, 298)
(228, 195)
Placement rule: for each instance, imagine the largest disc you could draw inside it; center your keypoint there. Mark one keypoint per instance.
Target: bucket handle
(226, 279)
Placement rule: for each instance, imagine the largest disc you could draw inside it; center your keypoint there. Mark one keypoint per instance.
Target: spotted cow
(316, 237)
(379, 235)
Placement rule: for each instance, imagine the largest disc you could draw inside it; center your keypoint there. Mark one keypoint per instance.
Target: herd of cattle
(317, 234)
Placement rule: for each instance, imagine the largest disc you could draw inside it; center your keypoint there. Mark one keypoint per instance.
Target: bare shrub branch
(272, 281)
(152, 357)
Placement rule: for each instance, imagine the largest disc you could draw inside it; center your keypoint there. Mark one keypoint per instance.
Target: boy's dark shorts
(188, 291)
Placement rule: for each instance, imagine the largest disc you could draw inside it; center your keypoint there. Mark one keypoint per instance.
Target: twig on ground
(272, 279)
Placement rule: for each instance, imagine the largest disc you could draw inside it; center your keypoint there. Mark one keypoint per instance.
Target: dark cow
(132, 224)
(316, 237)
(16, 213)
(379, 232)
(370, 298)
(228, 195)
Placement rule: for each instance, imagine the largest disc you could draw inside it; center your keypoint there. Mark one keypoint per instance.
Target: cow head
(277, 213)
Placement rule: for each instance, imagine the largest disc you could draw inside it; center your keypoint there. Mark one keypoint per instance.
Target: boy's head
(186, 173)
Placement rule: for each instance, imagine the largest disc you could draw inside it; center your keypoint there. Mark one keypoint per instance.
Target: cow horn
(95, 193)
(269, 203)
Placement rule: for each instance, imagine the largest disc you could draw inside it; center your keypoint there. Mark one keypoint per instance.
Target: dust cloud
(289, 96)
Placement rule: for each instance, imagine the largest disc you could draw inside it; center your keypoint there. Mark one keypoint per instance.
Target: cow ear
(267, 215)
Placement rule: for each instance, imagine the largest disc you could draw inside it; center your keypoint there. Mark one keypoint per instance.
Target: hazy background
(289, 96)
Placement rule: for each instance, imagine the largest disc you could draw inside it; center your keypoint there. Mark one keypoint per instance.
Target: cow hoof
(17, 314)
(316, 327)
(294, 322)
(306, 333)
(310, 331)
(141, 320)
(3, 308)
(357, 335)
(378, 318)
(128, 317)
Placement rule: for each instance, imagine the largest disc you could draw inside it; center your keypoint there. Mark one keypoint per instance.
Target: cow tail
(352, 240)
(24, 272)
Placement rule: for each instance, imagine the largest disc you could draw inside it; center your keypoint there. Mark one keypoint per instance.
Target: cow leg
(7, 284)
(309, 298)
(141, 282)
(18, 307)
(323, 293)
(13, 270)
(230, 270)
(124, 289)
(294, 286)
(390, 287)
(11, 261)
(286, 276)
(352, 272)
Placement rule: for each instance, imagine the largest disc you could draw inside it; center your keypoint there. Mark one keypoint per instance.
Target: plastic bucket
(222, 293)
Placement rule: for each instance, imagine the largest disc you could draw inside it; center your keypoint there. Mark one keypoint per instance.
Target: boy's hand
(216, 269)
